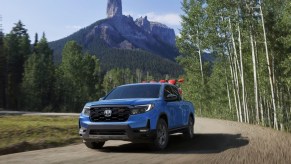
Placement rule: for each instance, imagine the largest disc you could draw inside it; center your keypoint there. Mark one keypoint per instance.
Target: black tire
(162, 138)
(94, 145)
(189, 132)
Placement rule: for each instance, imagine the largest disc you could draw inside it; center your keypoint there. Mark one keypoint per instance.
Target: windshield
(135, 91)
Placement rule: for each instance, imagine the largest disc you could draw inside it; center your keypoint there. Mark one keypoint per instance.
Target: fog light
(143, 130)
(82, 131)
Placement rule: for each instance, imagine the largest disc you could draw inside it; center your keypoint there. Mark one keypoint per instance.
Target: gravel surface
(216, 141)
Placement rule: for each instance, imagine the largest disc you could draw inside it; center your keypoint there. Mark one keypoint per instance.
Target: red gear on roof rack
(163, 81)
(172, 82)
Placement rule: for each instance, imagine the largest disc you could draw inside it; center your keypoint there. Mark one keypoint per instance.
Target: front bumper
(104, 132)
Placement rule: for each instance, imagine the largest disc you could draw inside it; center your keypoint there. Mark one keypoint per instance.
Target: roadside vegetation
(249, 79)
(23, 133)
(31, 80)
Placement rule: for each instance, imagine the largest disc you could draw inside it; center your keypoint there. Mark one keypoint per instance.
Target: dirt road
(216, 141)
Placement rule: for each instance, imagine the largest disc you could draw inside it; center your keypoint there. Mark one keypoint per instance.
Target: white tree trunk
(201, 67)
(228, 92)
(246, 118)
(235, 61)
(254, 61)
(234, 94)
(200, 57)
(233, 84)
(247, 111)
(270, 71)
(236, 80)
(259, 92)
(255, 78)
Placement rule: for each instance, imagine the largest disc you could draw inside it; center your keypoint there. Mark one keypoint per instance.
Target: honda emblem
(107, 113)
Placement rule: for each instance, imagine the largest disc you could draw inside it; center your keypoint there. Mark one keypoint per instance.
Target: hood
(122, 102)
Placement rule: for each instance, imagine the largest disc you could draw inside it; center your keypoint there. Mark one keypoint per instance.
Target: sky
(60, 18)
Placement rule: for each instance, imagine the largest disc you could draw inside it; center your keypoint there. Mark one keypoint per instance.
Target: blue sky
(60, 18)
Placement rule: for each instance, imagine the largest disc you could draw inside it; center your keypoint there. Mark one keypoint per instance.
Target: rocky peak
(157, 30)
(114, 8)
(143, 23)
(163, 33)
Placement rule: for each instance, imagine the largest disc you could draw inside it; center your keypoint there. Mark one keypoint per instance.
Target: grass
(22, 133)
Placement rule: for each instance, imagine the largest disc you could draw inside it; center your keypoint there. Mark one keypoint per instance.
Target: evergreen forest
(32, 80)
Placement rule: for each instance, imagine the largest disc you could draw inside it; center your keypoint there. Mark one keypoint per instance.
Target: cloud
(76, 27)
(171, 19)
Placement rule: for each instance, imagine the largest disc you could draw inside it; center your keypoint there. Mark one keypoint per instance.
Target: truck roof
(146, 84)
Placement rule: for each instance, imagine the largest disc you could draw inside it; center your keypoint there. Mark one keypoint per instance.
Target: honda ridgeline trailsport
(146, 112)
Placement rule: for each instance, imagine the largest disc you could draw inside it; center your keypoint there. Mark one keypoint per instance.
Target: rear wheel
(94, 145)
(162, 138)
(189, 132)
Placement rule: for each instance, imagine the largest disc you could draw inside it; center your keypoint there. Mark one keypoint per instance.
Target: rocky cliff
(114, 8)
(119, 31)
(158, 30)
(123, 32)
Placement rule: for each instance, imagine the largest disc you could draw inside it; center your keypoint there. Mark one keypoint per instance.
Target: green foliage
(157, 66)
(17, 51)
(77, 78)
(191, 45)
(116, 77)
(36, 83)
(278, 23)
(38, 80)
(3, 66)
(229, 29)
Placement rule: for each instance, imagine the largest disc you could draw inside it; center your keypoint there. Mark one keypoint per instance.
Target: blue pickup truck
(146, 112)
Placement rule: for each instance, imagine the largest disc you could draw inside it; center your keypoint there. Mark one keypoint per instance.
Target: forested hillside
(31, 80)
(111, 57)
(65, 74)
(250, 79)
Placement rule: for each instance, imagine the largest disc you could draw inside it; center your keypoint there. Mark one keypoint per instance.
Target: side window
(176, 92)
(167, 91)
(171, 90)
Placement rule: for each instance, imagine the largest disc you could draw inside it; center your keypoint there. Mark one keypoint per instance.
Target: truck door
(173, 107)
(179, 111)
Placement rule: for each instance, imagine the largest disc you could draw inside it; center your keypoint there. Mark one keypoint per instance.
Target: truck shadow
(201, 144)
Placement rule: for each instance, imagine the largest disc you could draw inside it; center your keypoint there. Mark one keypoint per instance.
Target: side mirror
(171, 97)
(102, 98)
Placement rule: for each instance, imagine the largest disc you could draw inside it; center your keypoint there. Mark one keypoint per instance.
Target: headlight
(142, 108)
(86, 111)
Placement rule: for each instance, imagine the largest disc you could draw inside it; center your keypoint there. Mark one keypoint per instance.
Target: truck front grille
(107, 132)
(109, 114)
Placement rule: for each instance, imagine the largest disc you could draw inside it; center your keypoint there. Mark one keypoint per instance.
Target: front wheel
(94, 145)
(189, 132)
(162, 138)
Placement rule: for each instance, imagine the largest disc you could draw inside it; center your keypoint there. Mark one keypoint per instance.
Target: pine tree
(18, 51)
(3, 64)
(38, 80)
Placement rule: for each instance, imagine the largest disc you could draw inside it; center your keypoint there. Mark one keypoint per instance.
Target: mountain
(135, 43)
